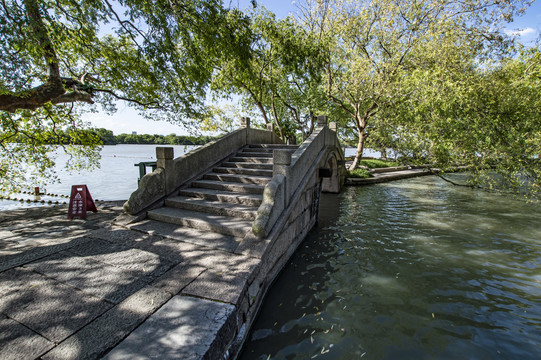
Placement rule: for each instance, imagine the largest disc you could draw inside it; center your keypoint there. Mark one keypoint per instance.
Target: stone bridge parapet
(171, 173)
(298, 179)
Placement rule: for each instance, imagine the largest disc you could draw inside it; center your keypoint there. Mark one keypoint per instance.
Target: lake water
(116, 178)
(414, 269)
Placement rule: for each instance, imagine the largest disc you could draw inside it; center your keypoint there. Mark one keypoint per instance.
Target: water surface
(414, 269)
(115, 179)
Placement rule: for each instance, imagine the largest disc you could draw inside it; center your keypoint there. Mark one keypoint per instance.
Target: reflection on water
(116, 178)
(416, 269)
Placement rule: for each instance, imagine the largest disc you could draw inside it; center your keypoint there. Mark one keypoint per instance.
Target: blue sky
(126, 120)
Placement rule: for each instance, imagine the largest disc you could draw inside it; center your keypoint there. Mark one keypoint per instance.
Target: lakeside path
(85, 289)
(75, 289)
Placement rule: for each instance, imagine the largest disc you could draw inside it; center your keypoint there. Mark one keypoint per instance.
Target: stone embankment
(380, 175)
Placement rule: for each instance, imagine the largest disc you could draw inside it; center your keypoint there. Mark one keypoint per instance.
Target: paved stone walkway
(83, 289)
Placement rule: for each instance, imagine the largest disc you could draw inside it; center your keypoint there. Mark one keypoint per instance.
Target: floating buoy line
(42, 194)
(37, 198)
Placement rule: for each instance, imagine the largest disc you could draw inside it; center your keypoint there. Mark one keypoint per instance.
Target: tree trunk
(359, 153)
(282, 136)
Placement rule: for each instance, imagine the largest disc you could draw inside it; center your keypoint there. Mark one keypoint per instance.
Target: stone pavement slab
(86, 287)
(93, 277)
(184, 328)
(138, 262)
(193, 236)
(223, 286)
(172, 250)
(105, 332)
(48, 307)
(12, 258)
(178, 278)
(19, 342)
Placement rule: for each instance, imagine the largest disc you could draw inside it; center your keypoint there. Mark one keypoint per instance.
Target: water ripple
(415, 269)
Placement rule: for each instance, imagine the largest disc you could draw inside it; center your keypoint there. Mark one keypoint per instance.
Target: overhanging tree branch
(149, 105)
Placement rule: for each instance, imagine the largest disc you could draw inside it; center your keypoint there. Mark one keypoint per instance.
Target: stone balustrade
(296, 173)
(172, 173)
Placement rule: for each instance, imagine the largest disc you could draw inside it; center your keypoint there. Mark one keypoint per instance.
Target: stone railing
(171, 173)
(292, 171)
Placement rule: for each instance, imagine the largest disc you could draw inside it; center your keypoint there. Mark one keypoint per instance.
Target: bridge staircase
(223, 201)
(236, 209)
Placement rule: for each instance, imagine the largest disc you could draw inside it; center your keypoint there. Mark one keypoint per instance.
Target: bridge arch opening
(331, 184)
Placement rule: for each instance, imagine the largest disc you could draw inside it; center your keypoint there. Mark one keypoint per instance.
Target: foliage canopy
(63, 58)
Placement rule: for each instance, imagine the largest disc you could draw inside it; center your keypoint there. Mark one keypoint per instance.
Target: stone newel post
(244, 122)
(165, 156)
(322, 121)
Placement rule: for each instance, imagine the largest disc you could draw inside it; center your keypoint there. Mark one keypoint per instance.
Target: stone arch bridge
(246, 196)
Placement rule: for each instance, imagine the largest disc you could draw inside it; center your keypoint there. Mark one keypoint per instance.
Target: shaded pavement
(77, 289)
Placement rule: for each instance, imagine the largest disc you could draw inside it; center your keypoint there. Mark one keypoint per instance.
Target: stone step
(220, 224)
(251, 159)
(212, 207)
(244, 153)
(243, 179)
(243, 171)
(271, 147)
(223, 196)
(229, 186)
(246, 165)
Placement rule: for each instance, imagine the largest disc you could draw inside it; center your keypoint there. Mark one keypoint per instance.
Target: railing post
(244, 122)
(322, 121)
(164, 159)
(282, 160)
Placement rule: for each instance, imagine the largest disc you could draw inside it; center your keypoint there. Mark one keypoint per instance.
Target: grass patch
(377, 163)
(360, 174)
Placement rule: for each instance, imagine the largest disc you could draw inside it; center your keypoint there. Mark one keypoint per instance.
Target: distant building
(134, 132)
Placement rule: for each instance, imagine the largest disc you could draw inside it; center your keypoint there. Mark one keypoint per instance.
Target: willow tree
(378, 42)
(63, 58)
(485, 117)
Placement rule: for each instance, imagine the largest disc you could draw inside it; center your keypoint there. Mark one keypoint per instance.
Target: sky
(127, 120)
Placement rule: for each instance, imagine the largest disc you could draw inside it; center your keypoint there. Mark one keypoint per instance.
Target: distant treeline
(108, 138)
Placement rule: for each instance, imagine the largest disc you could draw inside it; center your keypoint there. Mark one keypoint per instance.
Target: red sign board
(80, 202)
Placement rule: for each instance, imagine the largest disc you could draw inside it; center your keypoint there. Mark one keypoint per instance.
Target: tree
(62, 58)
(485, 116)
(281, 80)
(106, 136)
(377, 43)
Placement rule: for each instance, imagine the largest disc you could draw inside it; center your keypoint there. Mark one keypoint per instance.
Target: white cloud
(520, 32)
